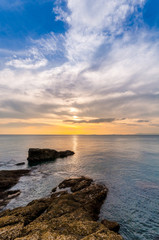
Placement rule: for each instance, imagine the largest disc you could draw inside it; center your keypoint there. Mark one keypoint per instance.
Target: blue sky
(23, 20)
(95, 59)
(151, 13)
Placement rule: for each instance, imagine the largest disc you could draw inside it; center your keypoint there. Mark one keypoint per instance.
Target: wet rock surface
(36, 155)
(76, 184)
(7, 180)
(5, 197)
(113, 226)
(63, 215)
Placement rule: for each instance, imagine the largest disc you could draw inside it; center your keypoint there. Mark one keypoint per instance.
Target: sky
(79, 67)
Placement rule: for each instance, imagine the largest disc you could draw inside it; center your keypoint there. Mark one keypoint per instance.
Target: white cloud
(29, 59)
(49, 44)
(36, 56)
(10, 4)
(27, 63)
(61, 14)
(94, 22)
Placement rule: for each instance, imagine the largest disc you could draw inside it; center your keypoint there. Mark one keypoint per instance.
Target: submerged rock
(7, 180)
(21, 163)
(113, 226)
(63, 216)
(36, 155)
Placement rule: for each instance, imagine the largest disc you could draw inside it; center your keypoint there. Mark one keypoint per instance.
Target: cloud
(28, 110)
(143, 121)
(10, 5)
(155, 125)
(92, 23)
(38, 54)
(49, 44)
(27, 63)
(32, 59)
(24, 125)
(61, 15)
(109, 120)
(98, 120)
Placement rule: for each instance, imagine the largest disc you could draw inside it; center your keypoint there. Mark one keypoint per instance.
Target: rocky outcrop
(7, 180)
(62, 216)
(76, 184)
(36, 155)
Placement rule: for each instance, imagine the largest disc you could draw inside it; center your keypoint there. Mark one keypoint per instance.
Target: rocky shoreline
(69, 213)
(7, 180)
(64, 215)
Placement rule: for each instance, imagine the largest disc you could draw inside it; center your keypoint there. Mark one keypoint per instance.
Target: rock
(36, 155)
(76, 184)
(63, 216)
(21, 163)
(12, 194)
(113, 226)
(54, 189)
(5, 197)
(7, 180)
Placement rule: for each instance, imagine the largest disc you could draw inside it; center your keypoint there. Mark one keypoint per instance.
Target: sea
(127, 165)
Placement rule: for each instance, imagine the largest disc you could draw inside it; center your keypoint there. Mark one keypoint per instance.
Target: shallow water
(127, 165)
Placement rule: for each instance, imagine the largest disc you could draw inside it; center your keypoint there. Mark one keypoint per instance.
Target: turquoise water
(127, 165)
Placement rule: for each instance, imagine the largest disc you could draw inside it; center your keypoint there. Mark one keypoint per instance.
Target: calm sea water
(127, 165)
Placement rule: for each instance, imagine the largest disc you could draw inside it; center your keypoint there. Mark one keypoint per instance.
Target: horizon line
(138, 134)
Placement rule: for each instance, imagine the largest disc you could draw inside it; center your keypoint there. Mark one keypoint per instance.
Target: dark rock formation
(36, 155)
(7, 180)
(113, 226)
(21, 163)
(5, 197)
(54, 189)
(63, 216)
